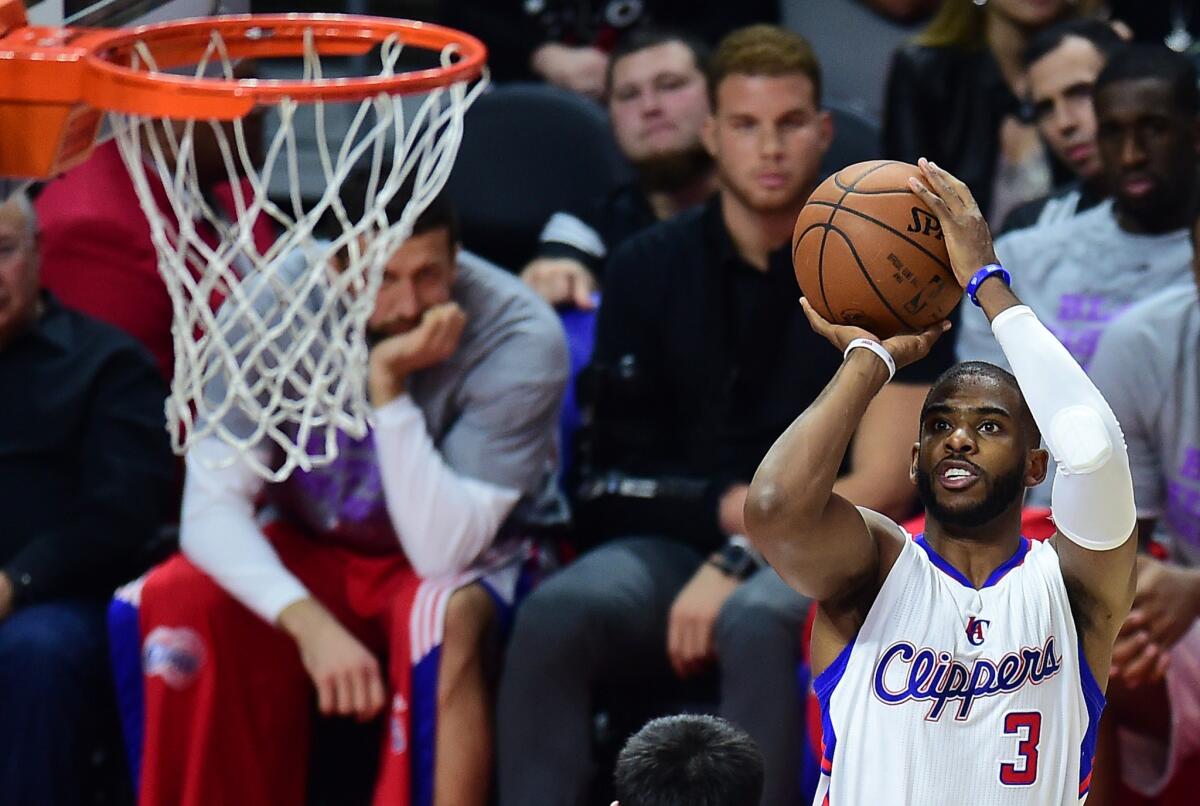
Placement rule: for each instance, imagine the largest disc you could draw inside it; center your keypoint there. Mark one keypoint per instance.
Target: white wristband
(876, 348)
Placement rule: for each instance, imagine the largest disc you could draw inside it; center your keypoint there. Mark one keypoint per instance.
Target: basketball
(868, 252)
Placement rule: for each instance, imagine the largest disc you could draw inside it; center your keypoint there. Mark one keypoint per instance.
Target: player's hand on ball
(345, 673)
(905, 348)
(968, 239)
(431, 342)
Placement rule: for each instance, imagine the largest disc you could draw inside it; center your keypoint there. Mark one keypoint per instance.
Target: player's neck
(976, 551)
(757, 234)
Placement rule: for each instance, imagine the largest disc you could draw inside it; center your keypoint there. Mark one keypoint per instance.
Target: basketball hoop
(281, 362)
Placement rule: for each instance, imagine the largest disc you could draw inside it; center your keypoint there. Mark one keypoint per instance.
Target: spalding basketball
(868, 252)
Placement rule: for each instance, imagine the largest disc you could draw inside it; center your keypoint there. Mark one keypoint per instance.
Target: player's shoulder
(1037, 254)
(508, 322)
(663, 244)
(1154, 325)
(1164, 308)
(1065, 225)
(91, 338)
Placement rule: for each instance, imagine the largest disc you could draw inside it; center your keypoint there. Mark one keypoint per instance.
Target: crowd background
(635, 169)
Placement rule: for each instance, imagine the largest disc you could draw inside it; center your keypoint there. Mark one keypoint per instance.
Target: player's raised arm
(818, 541)
(1093, 490)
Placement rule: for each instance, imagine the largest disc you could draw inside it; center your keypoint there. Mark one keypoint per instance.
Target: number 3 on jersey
(1027, 726)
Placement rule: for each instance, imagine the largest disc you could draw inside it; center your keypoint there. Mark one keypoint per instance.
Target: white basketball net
(282, 363)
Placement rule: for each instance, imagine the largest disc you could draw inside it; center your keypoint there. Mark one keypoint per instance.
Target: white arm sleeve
(218, 532)
(444, 520)
(1093, 489)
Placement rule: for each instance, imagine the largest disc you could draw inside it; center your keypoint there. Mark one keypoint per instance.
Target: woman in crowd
(953, 97)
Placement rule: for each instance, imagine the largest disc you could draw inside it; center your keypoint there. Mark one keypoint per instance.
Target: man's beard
(1004, 491)
(673, 171)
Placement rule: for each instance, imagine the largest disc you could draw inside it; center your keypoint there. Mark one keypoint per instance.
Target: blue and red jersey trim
(1093, 697)
(824, 686)
(1001, 571)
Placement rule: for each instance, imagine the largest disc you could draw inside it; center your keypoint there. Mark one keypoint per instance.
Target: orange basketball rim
(56, 84)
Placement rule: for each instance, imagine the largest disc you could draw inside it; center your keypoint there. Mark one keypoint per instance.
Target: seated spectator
(85, 475)
(1147, 365)
(657, 92)
(406, 547)
(702, 357)
(567, 42)
(953, 97)
(1061, 65)
(97, 253)
(689, 760)
(856, 76)
(1081, 273)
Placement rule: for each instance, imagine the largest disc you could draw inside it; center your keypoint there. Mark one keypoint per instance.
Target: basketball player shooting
(968, 664)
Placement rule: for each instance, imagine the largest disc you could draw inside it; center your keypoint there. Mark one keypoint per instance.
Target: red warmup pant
(228, 703)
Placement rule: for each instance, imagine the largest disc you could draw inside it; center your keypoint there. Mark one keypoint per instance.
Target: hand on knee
(345, 673)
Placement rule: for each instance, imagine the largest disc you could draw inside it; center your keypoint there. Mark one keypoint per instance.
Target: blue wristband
(990, 270)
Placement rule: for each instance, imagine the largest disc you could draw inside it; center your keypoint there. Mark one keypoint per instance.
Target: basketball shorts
(226, 705)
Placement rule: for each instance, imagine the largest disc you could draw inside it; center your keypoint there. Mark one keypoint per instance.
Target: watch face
(737, 562)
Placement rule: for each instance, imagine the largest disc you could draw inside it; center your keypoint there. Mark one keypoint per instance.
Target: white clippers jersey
(951, 695)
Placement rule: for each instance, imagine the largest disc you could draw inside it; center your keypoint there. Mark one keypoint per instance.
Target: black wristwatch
(734, 561)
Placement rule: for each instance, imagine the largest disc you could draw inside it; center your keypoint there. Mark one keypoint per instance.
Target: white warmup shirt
(951, 695)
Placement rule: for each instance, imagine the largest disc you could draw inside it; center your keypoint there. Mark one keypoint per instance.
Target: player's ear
(1036, 467)
(912, 466)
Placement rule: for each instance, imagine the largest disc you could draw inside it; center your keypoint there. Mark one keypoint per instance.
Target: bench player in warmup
(969, 663)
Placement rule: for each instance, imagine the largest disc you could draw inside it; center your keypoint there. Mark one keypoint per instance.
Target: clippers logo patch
(975, 627)
(173, 653)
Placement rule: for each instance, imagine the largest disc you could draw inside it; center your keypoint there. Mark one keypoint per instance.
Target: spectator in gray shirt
(1078, 275)
(1148, 367)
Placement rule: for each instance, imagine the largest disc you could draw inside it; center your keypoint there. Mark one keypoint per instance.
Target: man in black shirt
(85, 473)
(702, 356)
(657, 94)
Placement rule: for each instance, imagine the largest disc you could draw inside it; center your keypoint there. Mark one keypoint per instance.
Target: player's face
(767, 136)
(1148, 148)
(1060, 87)
(18, 271)
(1030, 13)
(971, 463)
(418, 276)
(658, 101)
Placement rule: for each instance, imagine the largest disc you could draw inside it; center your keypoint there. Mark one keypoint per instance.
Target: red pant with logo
(228, 703)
